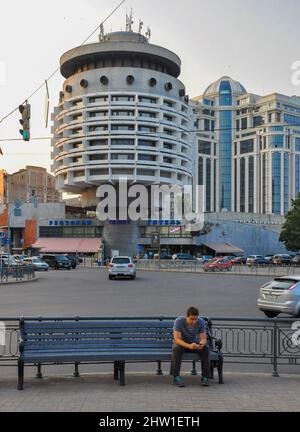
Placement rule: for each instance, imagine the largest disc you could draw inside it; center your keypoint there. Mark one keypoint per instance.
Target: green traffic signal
(25, 110)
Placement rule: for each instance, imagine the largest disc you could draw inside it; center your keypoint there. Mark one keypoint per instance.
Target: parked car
(37, 263)
(296, 260)
(73, 260)
(57, 261)
(122, 266)
(163, 256)
(239, 261)
(218, 264)
(282, 259)
(206, 258)
(183, 257)
(269, 257)
(251, 258)
(281, 295)
(260, 262)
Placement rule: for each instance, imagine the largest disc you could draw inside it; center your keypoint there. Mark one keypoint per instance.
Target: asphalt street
(88, 292)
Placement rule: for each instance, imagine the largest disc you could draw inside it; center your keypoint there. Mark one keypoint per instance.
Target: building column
(238, 186)
(282, 184)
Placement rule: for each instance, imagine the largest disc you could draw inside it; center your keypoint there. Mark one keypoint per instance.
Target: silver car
(122, 266)
(281, 295)
(37, 264)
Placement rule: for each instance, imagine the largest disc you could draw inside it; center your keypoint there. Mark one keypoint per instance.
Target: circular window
(130, 79)
(84, 83)
(152, 82)
(169, 86)
(104, 80)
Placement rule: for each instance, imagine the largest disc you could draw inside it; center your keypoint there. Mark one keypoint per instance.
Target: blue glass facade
(297, 174)
(276, 183)
(286, 183)
(291, 120)
(276, 141)
(225, 99)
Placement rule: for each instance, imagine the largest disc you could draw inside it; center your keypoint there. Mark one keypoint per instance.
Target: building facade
(248, 149)
(31, 182)
(123, 112)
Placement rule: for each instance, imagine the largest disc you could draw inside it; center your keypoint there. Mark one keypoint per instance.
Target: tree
(290, 234)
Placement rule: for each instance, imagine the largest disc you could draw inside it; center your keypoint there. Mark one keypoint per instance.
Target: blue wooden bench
(106, 341)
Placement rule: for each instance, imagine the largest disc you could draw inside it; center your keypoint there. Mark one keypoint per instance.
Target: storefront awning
(223, 248)
(68, 245)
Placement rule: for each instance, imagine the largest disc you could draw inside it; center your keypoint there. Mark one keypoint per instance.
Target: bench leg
(122, 374)
(116, 371)
(159, 371)
(212, 366)
(76, 373)
(194, 371)
(220, 370)
(20, 375)
(39, 371)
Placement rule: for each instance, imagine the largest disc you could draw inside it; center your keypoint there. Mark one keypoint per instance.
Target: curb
(19, 282)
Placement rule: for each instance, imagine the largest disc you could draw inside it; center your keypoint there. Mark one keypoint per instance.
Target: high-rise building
(123, 112)
(248, 149)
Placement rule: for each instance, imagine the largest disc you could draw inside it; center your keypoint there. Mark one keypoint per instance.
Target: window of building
(244, 123)
(122, 156)
(122, 142)
(78, 174)
(168, 118)
(99, 172)
(242, 185)
(168, 146)
(99, 99)
(98, 143)
(166, 174)
(206, 125)
(121, 171)
(147, 157)
(122, 98)
(168, 103)
(93, 114)
(276, 183)
(258, 121)
(147, 129)
(251, 184)
(204, 147)
(98, 128)
(147, 114)
(122, 127)
(247, 146)
(168, 131)
(225, 97)
(122, 113)
(200, 171)
(167, 160)
(145, 99)
(98, 157)
(297, 144)
(146, 172)
(147, 143)
(291, 120)
(276, 141)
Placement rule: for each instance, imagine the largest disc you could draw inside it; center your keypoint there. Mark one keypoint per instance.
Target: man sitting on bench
(190, 336)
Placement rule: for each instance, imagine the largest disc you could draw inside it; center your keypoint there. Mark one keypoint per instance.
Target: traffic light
(25, 110)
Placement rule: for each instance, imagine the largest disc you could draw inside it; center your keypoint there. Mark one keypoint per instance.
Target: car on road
(296, 260)
(259, 262)
(183, 257)
(218, 264)
(122, 267)
(281, 295)
(239, 261)
(56, 261)
(251, 258)
(73, 261)
(269, 257)
(163, 256)
(36, 263)
(282, 259)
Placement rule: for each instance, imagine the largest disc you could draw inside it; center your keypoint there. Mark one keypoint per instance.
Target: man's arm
(202, 340)
(178, 340)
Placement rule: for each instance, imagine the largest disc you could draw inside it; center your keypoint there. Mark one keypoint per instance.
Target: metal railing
(16, 274)
(255, 341)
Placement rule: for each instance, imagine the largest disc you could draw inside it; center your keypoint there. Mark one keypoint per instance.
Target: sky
(254, 42)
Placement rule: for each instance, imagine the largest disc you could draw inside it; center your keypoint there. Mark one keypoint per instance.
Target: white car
(122, 267)
(37, 264)
(252, 258)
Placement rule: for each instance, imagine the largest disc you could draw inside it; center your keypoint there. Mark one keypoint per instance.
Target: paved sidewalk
(149, 393)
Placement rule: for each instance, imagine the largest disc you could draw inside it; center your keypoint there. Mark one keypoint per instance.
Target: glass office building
(248, 149)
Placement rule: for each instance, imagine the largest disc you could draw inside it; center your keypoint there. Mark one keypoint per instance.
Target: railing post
(275, 349)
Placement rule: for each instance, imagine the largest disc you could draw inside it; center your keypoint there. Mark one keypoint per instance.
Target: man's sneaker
(204, 382)
(178, 382)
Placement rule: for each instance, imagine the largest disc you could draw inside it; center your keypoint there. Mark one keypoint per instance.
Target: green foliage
(290, 234)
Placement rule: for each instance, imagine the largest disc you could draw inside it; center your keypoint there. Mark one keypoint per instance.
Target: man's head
(192, 316)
